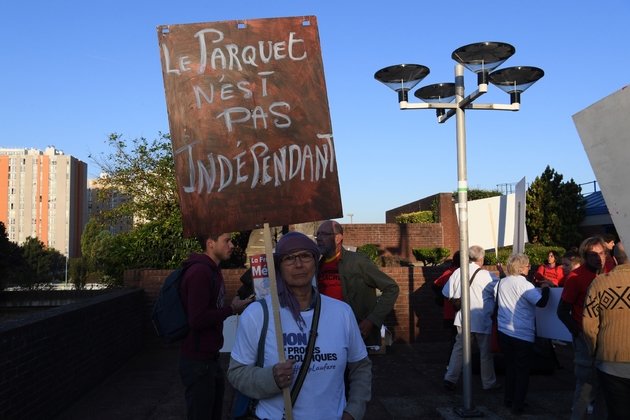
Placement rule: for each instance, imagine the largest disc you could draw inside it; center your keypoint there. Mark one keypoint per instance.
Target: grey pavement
(407, 384)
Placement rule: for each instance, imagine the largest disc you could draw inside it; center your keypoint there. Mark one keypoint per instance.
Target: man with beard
(353, 278)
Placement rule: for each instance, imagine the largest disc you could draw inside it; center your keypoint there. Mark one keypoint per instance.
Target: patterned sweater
(606, 318)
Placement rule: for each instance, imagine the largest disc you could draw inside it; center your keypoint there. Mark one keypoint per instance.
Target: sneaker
(449, 385)
(495, 386)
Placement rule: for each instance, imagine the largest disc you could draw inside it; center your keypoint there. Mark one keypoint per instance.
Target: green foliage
(157, 244)
(435, 209)
(371, 251)
(239, 256)
(554, 210)
(431, 256)
(95, 242)
(30, 266)
(144, 173)
(536, 253)
(394, 261)
(491, 259)
(426, 216)
(38, 260)
(478, 194)
(78, 272)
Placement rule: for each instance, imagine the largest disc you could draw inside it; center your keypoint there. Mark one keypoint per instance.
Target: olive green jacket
(360, 278)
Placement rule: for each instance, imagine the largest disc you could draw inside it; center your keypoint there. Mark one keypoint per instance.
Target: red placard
(250, 124)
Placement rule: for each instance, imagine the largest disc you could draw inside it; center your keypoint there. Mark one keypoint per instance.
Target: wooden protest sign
(250, 125)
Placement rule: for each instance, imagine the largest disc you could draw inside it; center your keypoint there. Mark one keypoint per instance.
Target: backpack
(168, 315)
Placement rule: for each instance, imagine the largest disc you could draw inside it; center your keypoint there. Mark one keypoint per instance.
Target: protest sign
(250, 125)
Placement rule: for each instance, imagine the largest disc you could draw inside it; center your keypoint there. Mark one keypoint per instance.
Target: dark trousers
(616, 393)
(519, 355)
(205, 387)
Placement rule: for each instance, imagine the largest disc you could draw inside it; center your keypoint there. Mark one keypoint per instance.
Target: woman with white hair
(517, 299)
(338, 346)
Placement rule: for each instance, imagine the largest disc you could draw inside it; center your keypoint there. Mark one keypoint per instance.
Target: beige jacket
(606, 318)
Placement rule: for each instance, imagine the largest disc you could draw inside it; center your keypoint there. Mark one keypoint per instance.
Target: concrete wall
(50, 359)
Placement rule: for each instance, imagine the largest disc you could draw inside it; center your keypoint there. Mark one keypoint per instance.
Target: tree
(13, 268)
(554, 210)
(145, 174)
(39, 261)
(78, 272)
(94, 243)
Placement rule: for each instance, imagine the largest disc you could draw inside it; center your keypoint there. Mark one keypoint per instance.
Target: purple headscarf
(288, 244)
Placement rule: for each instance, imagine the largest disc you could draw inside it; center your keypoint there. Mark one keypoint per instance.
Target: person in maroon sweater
(202, 291)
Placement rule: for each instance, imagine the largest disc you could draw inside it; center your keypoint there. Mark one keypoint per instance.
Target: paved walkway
(407, 384)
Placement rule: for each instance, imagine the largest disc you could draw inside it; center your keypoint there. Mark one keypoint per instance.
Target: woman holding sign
(337, 345)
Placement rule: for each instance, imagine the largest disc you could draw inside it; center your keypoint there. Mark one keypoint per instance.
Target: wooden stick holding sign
(275, 305)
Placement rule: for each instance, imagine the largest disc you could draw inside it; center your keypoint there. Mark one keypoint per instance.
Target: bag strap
(260, 361)
(474, 274)
(309, 352)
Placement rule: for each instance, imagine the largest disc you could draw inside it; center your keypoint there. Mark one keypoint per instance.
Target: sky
(73, 72)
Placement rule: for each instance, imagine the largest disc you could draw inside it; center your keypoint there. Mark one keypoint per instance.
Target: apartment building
(96, 205)
(44, 195)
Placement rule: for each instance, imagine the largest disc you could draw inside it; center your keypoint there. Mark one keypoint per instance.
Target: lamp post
(482, 59)
(350, 216)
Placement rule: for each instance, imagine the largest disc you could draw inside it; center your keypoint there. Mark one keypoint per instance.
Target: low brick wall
(50, 359)
(415, 318)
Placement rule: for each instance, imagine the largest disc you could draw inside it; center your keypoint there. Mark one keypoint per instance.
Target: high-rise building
(44, 195)
(98, 204)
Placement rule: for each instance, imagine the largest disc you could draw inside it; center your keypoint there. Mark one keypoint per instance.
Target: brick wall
(448, 236)
(393, 238)
(51, 358)
(415, 317)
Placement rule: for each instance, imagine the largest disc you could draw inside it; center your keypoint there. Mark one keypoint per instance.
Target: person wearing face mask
(570, 310)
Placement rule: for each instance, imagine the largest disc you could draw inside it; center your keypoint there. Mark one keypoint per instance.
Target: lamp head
(402, 78)
(515, 80)
(437, 93)
(483, 57)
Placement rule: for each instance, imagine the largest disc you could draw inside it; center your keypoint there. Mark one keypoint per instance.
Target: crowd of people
(594, 307)
(333, 302)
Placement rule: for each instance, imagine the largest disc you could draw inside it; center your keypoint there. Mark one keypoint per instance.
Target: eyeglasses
(305, 257)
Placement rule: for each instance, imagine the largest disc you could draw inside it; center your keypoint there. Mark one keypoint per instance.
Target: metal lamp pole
(481, 58)
(462, 203)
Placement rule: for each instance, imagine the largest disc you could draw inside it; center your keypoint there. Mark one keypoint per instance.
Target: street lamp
(350, 216)
(482, 59)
